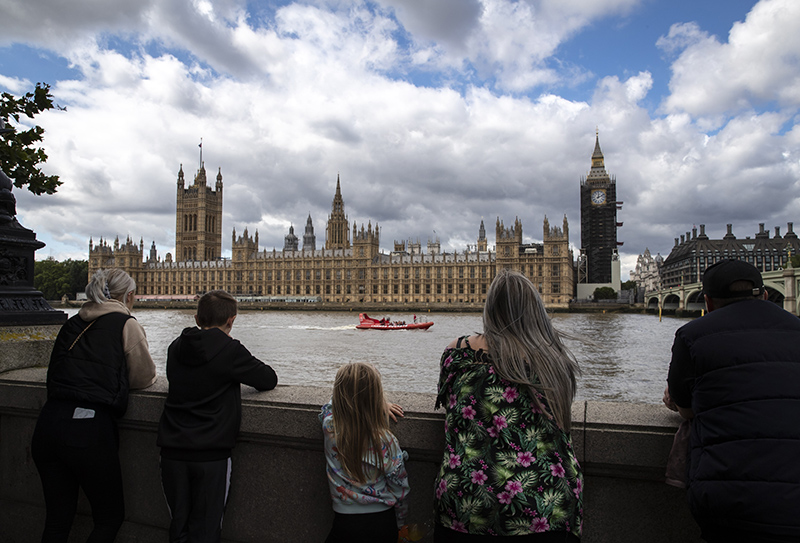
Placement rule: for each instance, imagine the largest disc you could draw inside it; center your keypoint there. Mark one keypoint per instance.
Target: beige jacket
(141, 369)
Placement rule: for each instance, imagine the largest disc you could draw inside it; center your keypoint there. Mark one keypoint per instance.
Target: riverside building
(350, 267)
(647, 273)
(693, 253)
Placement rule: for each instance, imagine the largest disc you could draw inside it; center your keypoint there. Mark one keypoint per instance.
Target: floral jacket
(377, 494)
(508, 469)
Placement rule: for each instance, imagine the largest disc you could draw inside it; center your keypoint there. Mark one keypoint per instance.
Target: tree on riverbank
(54, 278)
(19, 159)
(628, 285)
(605, 293)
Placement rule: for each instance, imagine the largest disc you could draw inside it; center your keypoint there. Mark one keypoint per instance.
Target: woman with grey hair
(508, 471)
(99, 355)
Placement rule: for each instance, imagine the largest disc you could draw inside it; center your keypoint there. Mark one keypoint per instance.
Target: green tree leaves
(605, 293)
(19, 157)
(54, 278)
(628, 285)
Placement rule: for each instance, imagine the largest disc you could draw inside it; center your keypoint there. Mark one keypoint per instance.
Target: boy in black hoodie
(198, 428)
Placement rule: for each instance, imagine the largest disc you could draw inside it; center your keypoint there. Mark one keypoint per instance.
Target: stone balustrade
(279, 490)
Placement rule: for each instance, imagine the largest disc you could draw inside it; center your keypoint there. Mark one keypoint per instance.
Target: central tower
(337, 234)
(598, 220)
(198, 228)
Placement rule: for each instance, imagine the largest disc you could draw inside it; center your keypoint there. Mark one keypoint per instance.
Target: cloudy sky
(435, 115)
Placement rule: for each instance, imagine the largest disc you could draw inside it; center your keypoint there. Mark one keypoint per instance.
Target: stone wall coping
(630, 440)
(589, 413)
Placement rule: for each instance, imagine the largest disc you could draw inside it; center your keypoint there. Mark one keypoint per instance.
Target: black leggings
(446, 535)
(78, 452)
(364, 528)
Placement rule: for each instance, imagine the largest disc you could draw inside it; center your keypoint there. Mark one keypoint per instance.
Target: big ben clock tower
(598, 221)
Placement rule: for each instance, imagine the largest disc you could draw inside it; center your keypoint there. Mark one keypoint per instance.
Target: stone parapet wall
(26, 346)
(279, 490)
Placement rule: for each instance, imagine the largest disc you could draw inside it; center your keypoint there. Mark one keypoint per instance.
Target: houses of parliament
(348, 268)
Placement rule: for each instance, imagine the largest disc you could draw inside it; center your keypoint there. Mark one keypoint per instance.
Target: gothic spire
(597, 152)
(338, 201)
(337, 229)
(598, 161)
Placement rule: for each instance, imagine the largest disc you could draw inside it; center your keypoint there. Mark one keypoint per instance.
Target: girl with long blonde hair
(508, 467)
(365, 465)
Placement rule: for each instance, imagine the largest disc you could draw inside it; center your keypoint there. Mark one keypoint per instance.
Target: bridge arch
(671, 301)
(774, 295)
(776, 285)
(695, 300)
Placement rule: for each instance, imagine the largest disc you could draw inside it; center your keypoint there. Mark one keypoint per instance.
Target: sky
(433, 115)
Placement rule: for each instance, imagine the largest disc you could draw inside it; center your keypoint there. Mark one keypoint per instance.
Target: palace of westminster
(351, 267)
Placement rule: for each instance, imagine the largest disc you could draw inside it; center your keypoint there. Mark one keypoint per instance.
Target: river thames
(624, 357)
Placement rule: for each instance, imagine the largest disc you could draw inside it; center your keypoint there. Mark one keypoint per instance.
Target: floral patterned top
(379, 492)
(507, 469)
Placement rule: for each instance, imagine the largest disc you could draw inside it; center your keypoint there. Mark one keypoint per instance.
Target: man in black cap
(735, 373)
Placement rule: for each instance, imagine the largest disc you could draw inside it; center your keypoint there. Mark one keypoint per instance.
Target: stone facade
(692, 254)
(648, 271)
(351, 268)
(198, 221)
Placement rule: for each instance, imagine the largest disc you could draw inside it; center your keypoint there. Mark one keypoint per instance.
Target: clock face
(599, 197)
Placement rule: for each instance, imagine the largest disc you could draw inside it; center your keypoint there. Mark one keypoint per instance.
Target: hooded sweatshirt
(204, 405)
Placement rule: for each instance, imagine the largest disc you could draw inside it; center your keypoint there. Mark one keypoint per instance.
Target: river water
(624, 357)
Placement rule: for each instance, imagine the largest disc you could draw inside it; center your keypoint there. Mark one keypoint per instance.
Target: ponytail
(109, 284)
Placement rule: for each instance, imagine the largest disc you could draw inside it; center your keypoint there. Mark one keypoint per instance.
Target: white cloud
(510, 41)
(285, 105)
(446, 22)
(756, 66)
(682, 36)
(14, 85)
(53, 23)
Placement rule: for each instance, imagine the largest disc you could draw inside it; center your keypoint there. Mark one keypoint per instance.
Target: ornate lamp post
(20, 303)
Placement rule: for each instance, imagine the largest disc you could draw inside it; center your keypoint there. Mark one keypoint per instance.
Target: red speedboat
(368, 323)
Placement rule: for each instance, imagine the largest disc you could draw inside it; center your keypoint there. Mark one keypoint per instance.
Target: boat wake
(304, 327)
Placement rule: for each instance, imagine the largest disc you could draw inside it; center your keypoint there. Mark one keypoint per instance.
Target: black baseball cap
(718, 278)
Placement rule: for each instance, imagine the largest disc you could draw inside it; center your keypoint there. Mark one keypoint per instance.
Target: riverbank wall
(403, 310)
(279, 490)
(421, 309)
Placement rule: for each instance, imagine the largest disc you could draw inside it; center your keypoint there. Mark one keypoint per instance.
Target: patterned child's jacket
(380, 492)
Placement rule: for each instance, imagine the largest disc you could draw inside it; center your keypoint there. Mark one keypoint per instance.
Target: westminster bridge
(782, 287)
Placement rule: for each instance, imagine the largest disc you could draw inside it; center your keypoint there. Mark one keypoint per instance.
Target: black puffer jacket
(745, 393)
(90, 368)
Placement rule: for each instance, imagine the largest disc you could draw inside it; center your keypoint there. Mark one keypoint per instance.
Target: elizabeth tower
(599, 219)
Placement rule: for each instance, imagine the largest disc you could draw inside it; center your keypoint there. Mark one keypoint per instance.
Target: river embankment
(384, 308)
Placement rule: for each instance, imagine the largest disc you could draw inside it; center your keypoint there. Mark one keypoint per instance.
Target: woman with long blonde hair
(508, 467)
(365, 465)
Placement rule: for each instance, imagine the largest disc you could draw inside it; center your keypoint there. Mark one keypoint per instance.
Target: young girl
(366, 473)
